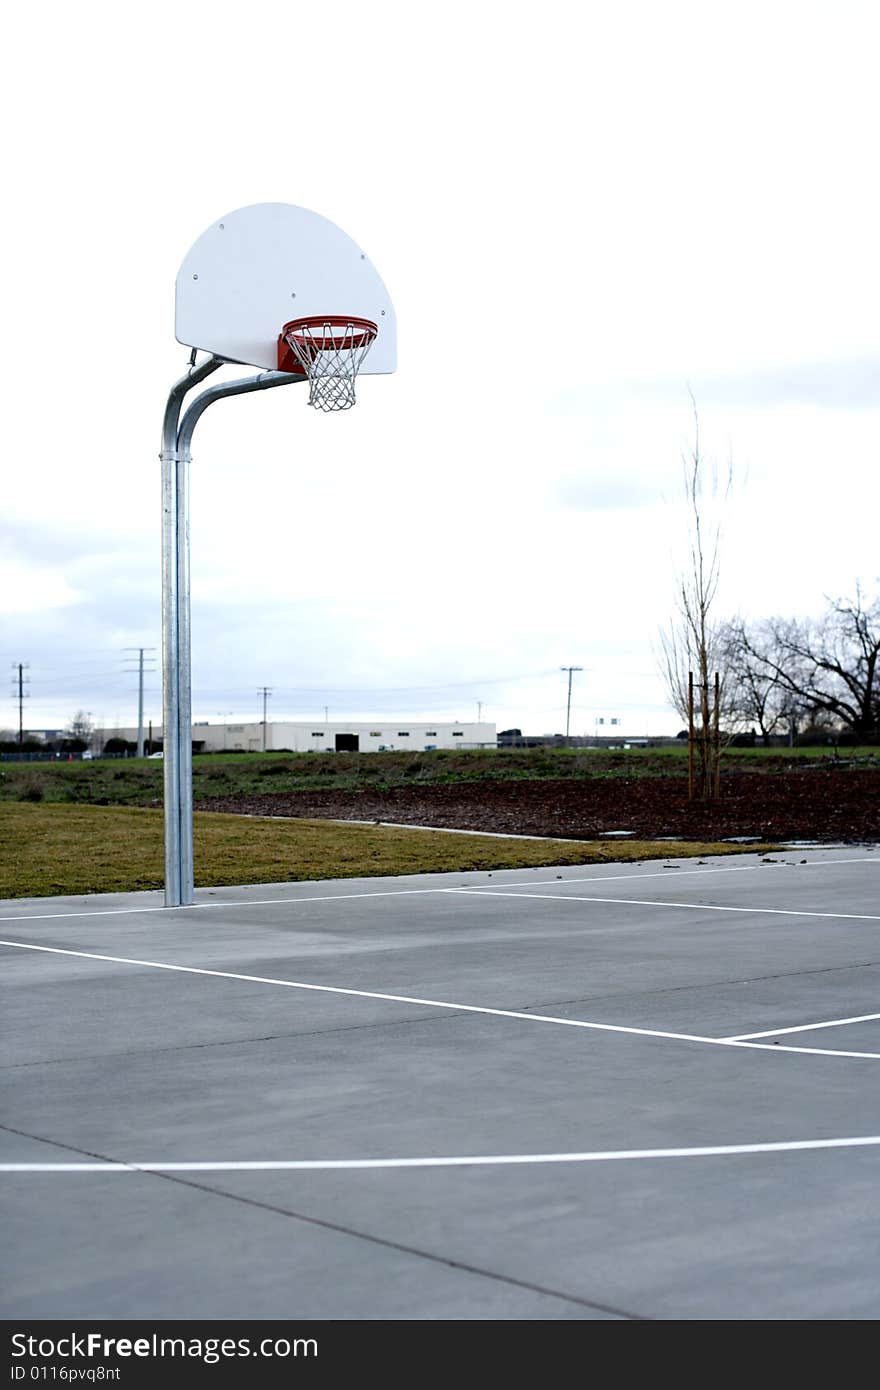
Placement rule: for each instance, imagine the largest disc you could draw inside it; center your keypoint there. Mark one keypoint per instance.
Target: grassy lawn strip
(138, 781)
(53, 850)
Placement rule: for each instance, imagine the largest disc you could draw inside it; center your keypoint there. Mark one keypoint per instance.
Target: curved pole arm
(170, 422)
(227, 388)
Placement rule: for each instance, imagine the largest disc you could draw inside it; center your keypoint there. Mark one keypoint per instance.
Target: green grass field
(138, 781)
(61, 850)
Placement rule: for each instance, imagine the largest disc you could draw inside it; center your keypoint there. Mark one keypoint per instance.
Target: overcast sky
(578, 211)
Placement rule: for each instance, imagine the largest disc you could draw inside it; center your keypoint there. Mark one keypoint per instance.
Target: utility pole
(479, 711)
(570, 670)
(140, 738)
(140, 668)
(265, 691)
(19, 680)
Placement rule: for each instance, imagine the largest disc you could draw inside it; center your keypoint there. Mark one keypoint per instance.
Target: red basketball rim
(354, 332)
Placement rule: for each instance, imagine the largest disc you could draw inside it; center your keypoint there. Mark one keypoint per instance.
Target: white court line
(680, 873)
(251, 902)
(648, 902)
(804, 1028)
(453, 830)
(403, 892)
(455, 1161)
(438, 1003)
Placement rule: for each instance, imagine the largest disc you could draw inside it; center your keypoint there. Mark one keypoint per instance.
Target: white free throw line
(804, 1028)
(435, 1003)
(648, 902)
(465, 1161)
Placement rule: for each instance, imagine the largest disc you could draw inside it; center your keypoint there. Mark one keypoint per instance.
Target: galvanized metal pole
(175, 601)
(184, 683)
(176, 657)
(170, 667)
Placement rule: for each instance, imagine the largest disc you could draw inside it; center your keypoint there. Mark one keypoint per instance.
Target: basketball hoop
(329, 350)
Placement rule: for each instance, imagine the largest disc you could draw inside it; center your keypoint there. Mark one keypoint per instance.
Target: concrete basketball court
(614, 1091)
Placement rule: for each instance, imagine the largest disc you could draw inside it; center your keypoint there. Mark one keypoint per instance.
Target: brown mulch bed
(830, 805)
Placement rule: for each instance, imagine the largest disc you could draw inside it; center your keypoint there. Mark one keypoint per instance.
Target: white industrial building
(320, 736)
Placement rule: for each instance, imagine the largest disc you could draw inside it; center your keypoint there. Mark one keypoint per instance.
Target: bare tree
(828, 669)
(753, 696)
(692, 645)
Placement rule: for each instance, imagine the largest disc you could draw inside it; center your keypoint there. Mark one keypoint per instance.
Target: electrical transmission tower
(265, 691)
(140, 670)
(19, 681)
(570, 670)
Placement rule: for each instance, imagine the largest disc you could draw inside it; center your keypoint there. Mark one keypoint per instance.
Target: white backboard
(257, 268)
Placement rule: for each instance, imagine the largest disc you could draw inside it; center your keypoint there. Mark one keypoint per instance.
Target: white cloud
(29, 589)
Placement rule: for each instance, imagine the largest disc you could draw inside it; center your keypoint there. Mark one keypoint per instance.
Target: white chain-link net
(331, 352)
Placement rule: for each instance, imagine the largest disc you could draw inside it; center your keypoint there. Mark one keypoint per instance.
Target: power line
(76, 678)
(400, 689)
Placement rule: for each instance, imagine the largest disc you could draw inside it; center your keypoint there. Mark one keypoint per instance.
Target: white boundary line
(438, 1003)
(412, 892)
(680, 873)
(465, 1161)
(454, 830)
(804, 1028)
(647, 902)
(226, 902)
